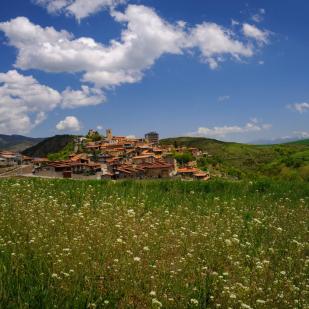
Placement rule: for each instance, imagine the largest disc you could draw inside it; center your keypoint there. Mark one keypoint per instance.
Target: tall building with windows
(152, 137)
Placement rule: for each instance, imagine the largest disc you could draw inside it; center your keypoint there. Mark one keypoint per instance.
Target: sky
(230, 70)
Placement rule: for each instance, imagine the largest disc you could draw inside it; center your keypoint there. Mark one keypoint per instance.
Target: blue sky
(231, 70)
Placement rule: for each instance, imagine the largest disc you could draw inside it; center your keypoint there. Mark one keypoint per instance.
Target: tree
(183, 158)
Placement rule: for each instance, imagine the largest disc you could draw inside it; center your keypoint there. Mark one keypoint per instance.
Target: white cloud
(253, 32)
(24, 102)
(84, 97)
(70, 123)
(223, 98)
(252, 126)
(301, 134)
(78, 8)
(215, 41)
(53, 6)
(234, 22)
(258, 17)
(299, 107)
(146, 38)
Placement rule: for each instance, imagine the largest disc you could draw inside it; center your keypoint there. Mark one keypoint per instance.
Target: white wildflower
(194, 301)
(157, 303)
(152, 293)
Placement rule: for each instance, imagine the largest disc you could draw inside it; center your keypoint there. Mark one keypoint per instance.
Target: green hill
(48, 146)
(237, 160)
(300, 142)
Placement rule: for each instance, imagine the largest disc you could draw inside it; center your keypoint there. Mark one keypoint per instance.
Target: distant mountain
(17, 142)
(283, 140)
(49, 145)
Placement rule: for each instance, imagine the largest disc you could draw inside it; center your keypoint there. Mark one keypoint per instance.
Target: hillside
(50, 145)
(301, 142)
(243, 160)
(17, 142)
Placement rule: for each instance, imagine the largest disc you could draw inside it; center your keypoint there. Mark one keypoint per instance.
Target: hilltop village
(113, 157)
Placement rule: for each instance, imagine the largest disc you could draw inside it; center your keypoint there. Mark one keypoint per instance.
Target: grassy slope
(49, 146)
(248, 160)
(301, 142)
(63, 154)
(132, 244)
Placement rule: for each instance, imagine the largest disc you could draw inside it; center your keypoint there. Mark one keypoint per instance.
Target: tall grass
(150, 244)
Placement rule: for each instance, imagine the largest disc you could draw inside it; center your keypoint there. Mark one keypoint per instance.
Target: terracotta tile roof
(8, 156)
(80, 156)
(144, 156)
(187, 170)
(41, 160)
(27, 158)
(9, 153)
(200, 174)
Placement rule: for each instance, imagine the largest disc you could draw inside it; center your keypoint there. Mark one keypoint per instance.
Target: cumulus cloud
(215, 41)
(78, 8)
(299, 107)
(252, 126)
(70, 123)
(85, 97)
(24, 102)
(253, 32)
(145, 38)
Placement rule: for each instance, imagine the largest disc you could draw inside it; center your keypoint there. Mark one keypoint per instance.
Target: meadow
(152, 244)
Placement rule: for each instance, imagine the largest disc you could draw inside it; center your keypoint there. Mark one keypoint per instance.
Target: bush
(235, 172)
(289, 174)
(183, 158)
(304, 172)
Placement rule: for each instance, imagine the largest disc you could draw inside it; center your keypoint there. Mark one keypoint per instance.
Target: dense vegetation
(151, 244)
(49, 146)
(183, 158)
(285, 161)
(94, 137)
(62, 154)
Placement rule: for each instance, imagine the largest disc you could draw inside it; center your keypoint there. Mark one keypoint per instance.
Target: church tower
(109, 134)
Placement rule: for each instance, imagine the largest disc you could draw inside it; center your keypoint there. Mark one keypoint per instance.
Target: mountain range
(17, 143)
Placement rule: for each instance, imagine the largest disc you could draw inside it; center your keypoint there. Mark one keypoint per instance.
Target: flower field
(151, 244)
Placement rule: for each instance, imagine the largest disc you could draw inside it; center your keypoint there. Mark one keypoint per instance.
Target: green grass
(147, 244)
(63, 154)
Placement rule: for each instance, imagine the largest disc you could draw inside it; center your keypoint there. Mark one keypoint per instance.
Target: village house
(193, 173)
(142, 159)
(8, 158)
